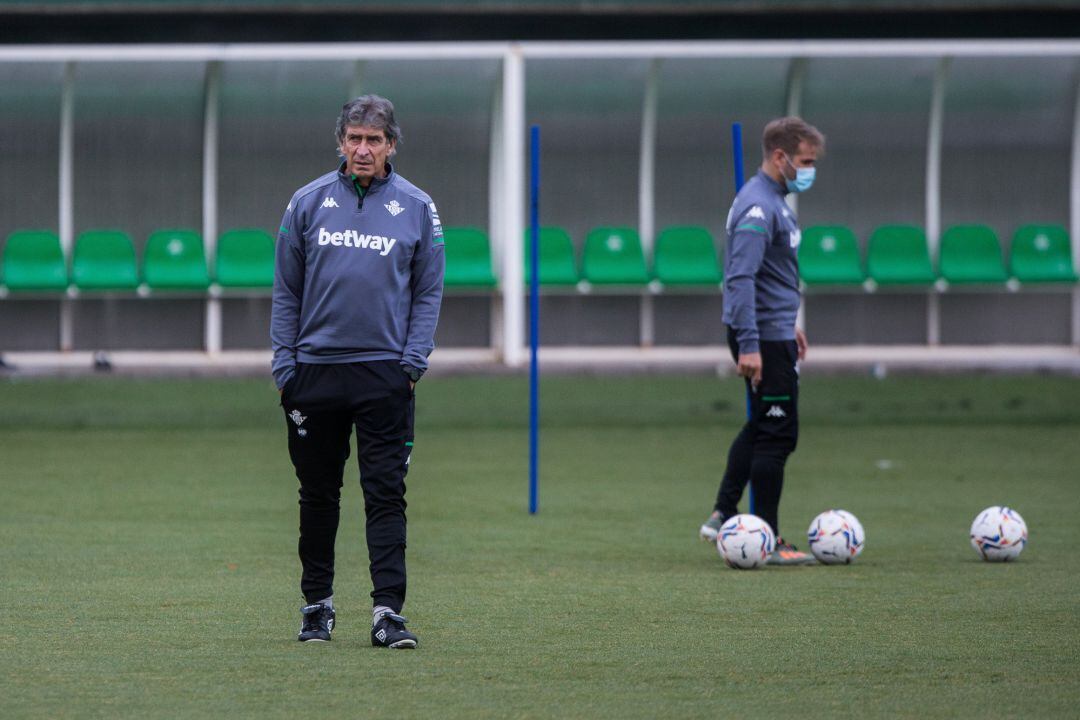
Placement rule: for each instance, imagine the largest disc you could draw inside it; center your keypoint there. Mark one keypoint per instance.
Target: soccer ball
(999, 534)
(836, 537)
(745, 541)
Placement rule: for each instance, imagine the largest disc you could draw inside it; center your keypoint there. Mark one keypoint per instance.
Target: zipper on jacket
(360, 192)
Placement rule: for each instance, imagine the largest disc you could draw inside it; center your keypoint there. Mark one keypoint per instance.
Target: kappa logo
(756, 212)
(796, 238)
(329, 202)
(776, 412)
(297, 417)
(394, 208)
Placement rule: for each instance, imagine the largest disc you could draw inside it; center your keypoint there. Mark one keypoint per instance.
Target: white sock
(377, 611)
(328, 602)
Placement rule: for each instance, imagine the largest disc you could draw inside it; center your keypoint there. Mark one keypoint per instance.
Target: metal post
(513, 221)
(496, 207)
(933, 157)
(66, 220)
(793, 106)
(356, 86)
(647, 166)
(212, 90)
(933, 192)
(1074, 216)
(647, 194)
(534, 321)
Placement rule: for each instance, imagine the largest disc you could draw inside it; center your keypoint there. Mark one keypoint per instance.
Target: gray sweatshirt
(761, 267)
(357, 275)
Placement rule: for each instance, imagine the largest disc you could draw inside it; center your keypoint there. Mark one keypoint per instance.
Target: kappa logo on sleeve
(756, 212)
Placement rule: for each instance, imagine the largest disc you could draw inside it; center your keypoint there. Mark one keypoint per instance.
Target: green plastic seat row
(685, 255)
(105, 260)
(899, 255)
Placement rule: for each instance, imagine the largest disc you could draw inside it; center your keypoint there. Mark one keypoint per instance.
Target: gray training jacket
(761, 266)
(357, 275)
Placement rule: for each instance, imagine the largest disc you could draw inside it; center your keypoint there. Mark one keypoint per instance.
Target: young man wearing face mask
(761, 301)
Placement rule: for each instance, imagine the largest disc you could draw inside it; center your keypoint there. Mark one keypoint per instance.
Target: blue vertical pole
(737, 155)
(534, 319)
(736, 150)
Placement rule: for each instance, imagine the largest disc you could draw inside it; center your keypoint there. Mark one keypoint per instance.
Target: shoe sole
(313, 640)
(706, 536)
(403, 645)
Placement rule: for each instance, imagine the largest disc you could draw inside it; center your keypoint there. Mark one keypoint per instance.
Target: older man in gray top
(357, 289)
(761, 301)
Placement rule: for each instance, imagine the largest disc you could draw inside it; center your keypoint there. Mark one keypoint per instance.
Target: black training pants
(770, 434)
(322, 405)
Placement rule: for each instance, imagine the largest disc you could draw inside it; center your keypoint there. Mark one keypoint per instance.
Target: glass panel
(590, 118)
(699, 101)
(875, 115)
(1008, 142)
(444, 109)
(138, 146)
(277, 131)
(276, 134)
(30, 146)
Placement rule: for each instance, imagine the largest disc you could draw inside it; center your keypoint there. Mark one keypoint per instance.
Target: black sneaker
(317, 623)
(389, 631)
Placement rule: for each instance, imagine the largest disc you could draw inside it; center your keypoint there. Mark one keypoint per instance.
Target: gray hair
(372, 111)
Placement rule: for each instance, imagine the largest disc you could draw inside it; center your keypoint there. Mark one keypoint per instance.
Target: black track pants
(770, 434)
(322, 405)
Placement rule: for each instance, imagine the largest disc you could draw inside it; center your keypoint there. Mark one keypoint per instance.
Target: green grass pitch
(149, 570)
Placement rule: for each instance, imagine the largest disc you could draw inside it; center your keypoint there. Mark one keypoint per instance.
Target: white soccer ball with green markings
(836, 537)
(745, 541)
(999, 534)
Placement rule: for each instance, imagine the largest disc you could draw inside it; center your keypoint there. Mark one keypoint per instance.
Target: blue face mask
(804, 178)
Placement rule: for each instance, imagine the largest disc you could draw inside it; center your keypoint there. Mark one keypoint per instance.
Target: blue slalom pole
(736, 150)
(737, 155)
(534, 320)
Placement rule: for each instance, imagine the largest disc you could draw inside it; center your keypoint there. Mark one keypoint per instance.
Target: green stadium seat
(971, 254)
(104, 260)
(686, 255)
(468, 258)
(1041, 253)
(557, 265)
(245, 259)
(829, 255)
(613, 256)
(34, 260)
(898, 255)
(174, 260)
